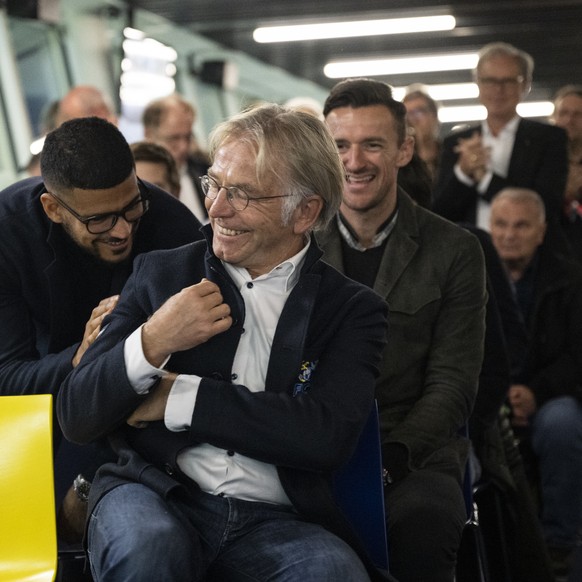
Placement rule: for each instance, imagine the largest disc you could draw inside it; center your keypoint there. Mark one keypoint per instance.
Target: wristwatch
(82, 487)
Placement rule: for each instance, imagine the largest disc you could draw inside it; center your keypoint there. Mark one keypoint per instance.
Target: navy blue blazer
(305, 424)
(48, 287)
(539, 161)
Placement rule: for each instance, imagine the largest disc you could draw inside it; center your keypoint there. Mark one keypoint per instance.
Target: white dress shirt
(218, 471)
(189, 196)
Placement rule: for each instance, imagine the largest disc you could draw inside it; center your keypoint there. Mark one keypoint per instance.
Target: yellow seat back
(28, 540)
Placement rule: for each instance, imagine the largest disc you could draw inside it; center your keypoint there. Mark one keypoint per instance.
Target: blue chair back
(359, 491)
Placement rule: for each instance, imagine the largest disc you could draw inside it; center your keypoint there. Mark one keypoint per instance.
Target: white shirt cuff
(140, 373)
(181, 401)
(462, 177)
(484, 182)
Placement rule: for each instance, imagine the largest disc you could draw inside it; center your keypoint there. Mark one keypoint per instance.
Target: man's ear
(51, 207)
(307, 213)
(405, 151)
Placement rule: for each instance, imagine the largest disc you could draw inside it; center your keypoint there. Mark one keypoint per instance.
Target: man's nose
(122, 228)
(219, 206)
(353, 158)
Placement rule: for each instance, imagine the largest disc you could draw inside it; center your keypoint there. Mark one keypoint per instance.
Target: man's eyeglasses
(235, 196)
(102, 223)
(503, 83)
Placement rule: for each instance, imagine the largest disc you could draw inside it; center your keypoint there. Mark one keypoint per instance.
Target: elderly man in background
(169, 121)
(568, 115)
(546, 392)
(504, 150)
(85, 101)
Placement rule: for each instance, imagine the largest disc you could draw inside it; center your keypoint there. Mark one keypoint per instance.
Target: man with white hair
(505, 149)
(546, 393)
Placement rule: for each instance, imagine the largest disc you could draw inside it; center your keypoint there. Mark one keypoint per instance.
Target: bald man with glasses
(67, 242)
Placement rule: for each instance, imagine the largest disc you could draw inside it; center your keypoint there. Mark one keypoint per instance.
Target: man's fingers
(220, 311)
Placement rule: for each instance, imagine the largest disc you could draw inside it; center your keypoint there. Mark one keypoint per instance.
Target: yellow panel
(28, 545)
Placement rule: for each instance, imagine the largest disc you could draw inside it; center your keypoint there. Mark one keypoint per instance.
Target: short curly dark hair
(88, 153)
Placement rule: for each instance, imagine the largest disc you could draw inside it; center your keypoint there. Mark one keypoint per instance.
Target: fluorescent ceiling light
(133, 33)
(478, 112)
(536, 109)
(400, 66)
(299, 32)
(443, 92)
(149, 48)
(462, 113)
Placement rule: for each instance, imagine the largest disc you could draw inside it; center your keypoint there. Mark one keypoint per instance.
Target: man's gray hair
(523, 196)
(524, 60)
(294, 148)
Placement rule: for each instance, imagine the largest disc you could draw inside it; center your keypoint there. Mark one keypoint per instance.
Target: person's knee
(339, 565)
(126, 543)
(558, 423)
(425, 524)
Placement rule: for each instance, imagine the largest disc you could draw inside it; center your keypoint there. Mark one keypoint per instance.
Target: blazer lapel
(520, 154)
(400, 248)
(288, 346)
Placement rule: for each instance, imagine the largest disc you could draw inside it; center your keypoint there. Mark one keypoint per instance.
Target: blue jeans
(557, 442)
(134, 534)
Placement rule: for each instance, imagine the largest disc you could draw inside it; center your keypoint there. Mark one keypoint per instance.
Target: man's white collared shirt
(218, 471)
(500, 150)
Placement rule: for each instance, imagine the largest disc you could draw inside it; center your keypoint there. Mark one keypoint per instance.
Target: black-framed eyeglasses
(235, 196)
(102, 223)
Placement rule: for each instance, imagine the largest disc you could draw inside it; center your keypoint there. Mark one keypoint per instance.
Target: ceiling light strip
(443, 92)
(400, 66)
(302, 32)
(478, 112)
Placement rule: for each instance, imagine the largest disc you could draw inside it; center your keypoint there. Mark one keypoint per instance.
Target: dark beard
(92, 255)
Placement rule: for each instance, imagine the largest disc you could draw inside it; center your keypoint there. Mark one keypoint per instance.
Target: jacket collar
(401, 247)
(288, 349)
(313, 254)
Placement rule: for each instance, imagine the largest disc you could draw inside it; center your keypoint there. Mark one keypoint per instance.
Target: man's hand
(154, 406)
(523, 403)
(473, 156)
(71, 518)
(185, 320)
(93, 326)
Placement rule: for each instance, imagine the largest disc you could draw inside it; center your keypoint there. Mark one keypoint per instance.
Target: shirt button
(230, 453)
(233, 376)
(250, 285)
